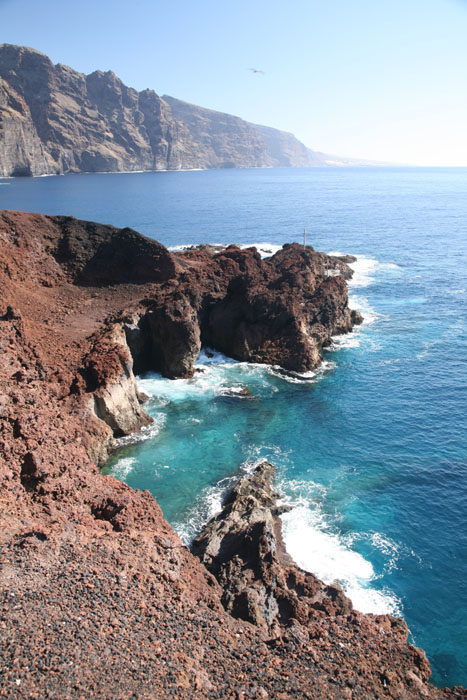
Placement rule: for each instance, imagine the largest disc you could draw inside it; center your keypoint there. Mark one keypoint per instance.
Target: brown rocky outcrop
(242, 547)
(96, 300)
(282, 310)
(98, 596)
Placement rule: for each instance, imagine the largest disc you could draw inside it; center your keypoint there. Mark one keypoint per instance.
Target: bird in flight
(255, 70)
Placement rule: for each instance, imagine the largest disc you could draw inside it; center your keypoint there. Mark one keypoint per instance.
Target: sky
(383, 80)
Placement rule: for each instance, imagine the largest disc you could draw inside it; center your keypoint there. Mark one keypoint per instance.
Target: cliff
(56, 120)
(99, 598)
(284, 149)
(225, 141)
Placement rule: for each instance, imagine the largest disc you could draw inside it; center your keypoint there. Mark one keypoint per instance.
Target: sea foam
(146, 433)
(122, 469)
(317, 547)
(264, 249)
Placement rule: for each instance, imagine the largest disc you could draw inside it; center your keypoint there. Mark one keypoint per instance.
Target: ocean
(371, 448)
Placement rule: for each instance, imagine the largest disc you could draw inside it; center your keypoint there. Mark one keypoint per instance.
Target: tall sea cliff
(55, 120)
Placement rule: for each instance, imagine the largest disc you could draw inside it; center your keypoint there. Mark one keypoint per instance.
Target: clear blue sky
(377, 79)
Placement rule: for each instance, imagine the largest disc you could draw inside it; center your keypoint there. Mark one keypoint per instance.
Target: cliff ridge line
(55, 120)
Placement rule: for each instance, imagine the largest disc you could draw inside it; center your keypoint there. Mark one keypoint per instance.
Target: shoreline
(92, 572)
(250, 167)
(391, 604)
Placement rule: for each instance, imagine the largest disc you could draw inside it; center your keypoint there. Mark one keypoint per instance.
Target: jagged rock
(282, 310)
(243, 548)
(212, 249)
(98, 596)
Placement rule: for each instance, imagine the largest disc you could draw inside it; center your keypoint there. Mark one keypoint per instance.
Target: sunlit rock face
(54, 119)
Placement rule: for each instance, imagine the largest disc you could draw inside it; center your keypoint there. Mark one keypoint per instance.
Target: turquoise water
(371, 450)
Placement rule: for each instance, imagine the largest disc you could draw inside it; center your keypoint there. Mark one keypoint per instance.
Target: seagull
(255, 70)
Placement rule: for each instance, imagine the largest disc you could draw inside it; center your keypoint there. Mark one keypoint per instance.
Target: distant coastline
(75, 129)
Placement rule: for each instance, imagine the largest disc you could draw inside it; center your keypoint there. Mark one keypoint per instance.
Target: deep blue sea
(371, 450)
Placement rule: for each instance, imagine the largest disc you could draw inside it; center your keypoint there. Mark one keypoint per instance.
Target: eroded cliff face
(99, 598)
(21, 150)
(284, 149)
(54, 119)
(225, 141)
(83, 123)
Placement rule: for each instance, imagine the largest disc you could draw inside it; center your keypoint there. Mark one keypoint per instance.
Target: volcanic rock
(95, 301)
(98, 596)
(243, 548)
(282, 310)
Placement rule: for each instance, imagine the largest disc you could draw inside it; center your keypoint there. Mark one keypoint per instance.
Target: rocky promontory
(98, 596)
(243, 548)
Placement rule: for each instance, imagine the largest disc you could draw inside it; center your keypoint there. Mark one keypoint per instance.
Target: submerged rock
(236, 392)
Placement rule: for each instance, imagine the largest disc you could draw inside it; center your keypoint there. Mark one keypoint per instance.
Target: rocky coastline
(99, 598)
(55, 120)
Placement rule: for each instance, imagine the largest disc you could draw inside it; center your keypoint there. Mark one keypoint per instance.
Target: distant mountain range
(55, 120)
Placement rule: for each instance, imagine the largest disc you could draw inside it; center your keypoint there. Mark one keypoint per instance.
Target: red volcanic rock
(98, 596)
(282, 310)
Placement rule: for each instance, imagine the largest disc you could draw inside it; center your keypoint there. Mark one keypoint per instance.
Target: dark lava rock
(282, 310)
(345, 258)
(243, 548)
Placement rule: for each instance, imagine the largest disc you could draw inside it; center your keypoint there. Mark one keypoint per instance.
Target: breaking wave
(321, 549)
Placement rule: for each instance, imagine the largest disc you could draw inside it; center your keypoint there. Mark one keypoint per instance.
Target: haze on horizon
(378, 81)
